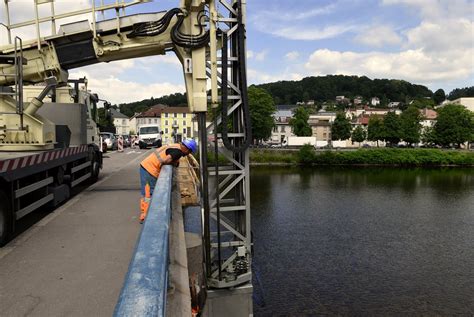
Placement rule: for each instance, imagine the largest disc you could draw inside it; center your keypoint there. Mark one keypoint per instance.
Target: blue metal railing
(146, 283)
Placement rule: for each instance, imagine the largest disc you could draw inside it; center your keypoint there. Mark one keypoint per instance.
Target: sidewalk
(73, 262)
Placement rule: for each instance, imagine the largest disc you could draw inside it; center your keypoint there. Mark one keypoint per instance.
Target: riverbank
(375, 156)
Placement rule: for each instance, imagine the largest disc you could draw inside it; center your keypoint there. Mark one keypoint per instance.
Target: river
(366, 241)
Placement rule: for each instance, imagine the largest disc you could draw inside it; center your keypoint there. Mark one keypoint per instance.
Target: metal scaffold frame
(227, 246)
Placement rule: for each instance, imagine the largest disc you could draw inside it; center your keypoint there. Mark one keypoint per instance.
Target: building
(282, 129)
(320, 124)
(176, 124)
(358, 100)
(151, 116)
(428, 118)
(133, 123)
(393, 104)
(467, 102)
(375, 101)
(121, 121)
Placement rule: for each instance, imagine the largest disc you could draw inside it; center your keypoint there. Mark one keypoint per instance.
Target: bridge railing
(146, 283)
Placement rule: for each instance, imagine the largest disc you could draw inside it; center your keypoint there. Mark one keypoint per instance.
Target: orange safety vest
(153, 162)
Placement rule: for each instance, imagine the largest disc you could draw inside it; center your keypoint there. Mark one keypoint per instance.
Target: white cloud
(258, 56)
(292, 56)
(378, 36)
(293, 15)
(411, 65)
(445, 35)
(117, 91)
(310, 33)
(259, 77)
(105, 80)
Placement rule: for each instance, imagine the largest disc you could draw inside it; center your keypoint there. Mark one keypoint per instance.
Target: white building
(282, 129)
(467, 102)
(375, 101)
(121, 122)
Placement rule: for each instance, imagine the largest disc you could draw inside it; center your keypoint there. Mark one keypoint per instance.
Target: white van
(149, 135)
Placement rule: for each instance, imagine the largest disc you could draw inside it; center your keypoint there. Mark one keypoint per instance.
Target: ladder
(17, 60)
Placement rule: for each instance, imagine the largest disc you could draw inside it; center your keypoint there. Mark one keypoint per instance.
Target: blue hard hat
(190, 144)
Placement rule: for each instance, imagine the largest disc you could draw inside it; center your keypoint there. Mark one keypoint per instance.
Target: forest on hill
(322, 89)
(326, 88)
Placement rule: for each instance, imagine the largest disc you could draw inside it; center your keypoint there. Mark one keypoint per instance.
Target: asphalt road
(72, 261)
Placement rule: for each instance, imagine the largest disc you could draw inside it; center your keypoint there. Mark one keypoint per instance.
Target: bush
(402, 157)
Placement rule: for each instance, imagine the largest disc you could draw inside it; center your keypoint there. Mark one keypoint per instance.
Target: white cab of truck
(149, 135)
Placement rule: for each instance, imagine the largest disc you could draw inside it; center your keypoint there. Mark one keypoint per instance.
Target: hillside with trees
(173, 100)
(324, 88)
(461, 92)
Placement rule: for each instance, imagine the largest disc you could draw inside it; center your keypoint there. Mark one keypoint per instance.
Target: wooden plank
(188, 182)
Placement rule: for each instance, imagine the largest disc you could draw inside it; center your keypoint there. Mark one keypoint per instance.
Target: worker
(150, 168)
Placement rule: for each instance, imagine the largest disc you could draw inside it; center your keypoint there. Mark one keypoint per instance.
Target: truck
(301, 140)
(57, 150)
(149, 135)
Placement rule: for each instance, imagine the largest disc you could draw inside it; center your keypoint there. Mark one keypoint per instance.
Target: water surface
(366, 241)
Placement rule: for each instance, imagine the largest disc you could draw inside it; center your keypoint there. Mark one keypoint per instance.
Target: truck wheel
(95, 167)
(5, 219)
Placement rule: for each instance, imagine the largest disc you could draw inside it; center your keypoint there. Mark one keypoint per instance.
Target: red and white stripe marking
(43, 157)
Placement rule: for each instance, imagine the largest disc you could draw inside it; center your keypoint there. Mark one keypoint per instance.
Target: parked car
(110, 140)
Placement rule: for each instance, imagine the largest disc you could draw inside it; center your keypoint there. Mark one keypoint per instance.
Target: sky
(427, 42)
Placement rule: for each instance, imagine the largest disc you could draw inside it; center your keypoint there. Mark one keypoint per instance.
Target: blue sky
(428, 42)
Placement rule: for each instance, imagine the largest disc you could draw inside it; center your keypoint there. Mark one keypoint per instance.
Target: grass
(378, 156)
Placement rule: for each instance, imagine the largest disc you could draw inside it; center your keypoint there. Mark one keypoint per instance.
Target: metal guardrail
(146, 283)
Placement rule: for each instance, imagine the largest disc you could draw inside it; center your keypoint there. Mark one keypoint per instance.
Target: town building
(428, 118)
(121, 121)
(375, 101)
(467, 102)
(358, 100)
(282, 129)
(320, 124)
(133, 124)
(176, 124)
(151, 116)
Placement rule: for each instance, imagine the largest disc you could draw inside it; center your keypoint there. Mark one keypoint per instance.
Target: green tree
(299, 122)
(359, 135)
(261, 109)
(439, 96)
(341, 127)
(392, 132)
(375, 131)
(105, 119)
(410, 125)
(428, 136)
(454, 125)
(461, 92)
(422, 103)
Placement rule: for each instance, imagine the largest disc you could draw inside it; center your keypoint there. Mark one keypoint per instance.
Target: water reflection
(363, 241)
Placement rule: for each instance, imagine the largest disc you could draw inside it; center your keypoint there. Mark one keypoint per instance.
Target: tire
(5, 219)
(95, 167)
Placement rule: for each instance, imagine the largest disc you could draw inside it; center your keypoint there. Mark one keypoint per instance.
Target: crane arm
(181, 30)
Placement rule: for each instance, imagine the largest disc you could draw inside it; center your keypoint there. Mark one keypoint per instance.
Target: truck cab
(149, 135)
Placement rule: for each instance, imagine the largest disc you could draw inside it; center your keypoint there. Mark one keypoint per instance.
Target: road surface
(72, 262)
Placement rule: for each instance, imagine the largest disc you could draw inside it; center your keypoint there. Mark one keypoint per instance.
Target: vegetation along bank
(307, 155)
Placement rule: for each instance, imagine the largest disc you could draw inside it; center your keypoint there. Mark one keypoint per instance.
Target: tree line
(454, 126)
